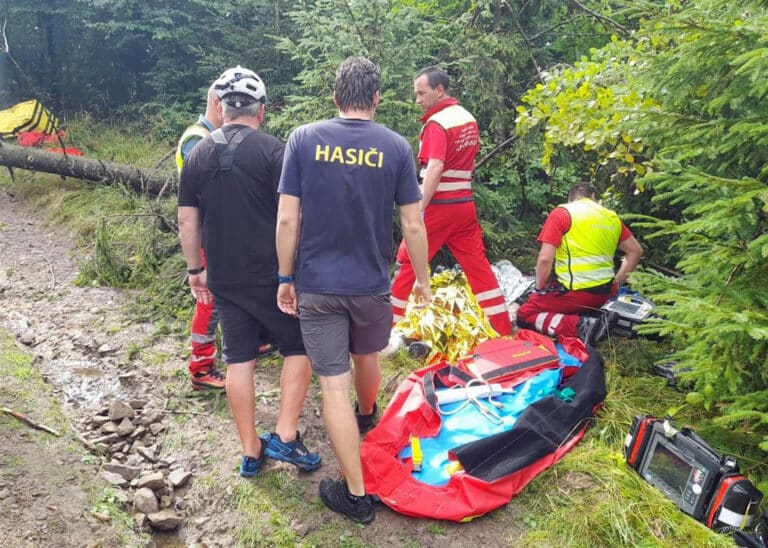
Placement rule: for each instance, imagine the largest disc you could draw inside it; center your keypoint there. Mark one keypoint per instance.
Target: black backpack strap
(226, 149)
(432, 381)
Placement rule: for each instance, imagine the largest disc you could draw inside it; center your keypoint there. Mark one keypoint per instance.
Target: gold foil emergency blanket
(453, 323)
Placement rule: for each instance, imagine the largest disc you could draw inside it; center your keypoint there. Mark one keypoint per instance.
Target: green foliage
(331, 31)
(685, 96)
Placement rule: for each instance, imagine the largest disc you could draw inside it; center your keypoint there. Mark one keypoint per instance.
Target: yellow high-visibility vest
(585, 256)
(195, 130)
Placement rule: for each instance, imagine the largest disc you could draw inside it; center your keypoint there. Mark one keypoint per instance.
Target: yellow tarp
(27, 116)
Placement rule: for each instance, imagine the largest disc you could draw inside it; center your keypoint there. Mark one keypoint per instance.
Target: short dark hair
(435, 77)
(582, 190)
(357, 81)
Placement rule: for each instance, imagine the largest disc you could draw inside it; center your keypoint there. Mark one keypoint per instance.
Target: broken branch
(29, 422)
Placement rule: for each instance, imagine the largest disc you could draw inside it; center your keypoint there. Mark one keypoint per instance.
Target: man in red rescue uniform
(579, 239)
(448, 144)
(202, 368)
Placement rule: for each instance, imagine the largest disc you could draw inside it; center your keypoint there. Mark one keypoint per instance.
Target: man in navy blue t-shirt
(340, 181)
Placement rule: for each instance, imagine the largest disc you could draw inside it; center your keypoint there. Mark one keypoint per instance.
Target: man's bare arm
(633, 252)
(544, 264)
(415, 236)
(190, 234)
(286, 240)
(431, 179)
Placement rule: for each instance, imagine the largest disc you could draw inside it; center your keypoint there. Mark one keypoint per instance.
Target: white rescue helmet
(240, 87)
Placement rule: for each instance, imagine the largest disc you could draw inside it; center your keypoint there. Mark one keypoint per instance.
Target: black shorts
(335, 325)
(246, 314)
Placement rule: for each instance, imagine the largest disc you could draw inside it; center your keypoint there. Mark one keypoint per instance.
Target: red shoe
(209, 379)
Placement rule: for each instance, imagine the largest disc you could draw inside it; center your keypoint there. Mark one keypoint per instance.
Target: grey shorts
(332, 326)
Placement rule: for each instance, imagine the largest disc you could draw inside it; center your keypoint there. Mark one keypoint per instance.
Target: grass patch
(24, 390)
(591, 497)
(267, 507)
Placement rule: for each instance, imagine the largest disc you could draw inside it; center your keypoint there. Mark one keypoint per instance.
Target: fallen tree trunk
(87, 169)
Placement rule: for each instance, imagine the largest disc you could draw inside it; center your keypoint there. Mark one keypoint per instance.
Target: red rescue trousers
(456, 226)
(205, 320)
(557, 314)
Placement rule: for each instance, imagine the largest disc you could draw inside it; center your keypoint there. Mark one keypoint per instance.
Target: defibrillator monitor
(700, 481)
(683, 471)
(631, 307)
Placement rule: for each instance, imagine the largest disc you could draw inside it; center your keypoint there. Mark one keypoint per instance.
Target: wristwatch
(195, 271)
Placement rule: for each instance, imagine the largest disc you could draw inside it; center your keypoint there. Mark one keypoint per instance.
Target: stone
(168, 461)
(115, 479)
(106, 440)
(140, 521)
(165, 520)
(179, 477)
(127, 472)
(108, 427)
(145, 501)
(135, 483)
(125, 427)
(117, 447)
(98, 420)
(105, 349)
(28, 338)
(302, 529)
(156, 428)
(180, 504)
(153, 481)
(118, 410)
(147, 453)
(123, 497)
(151, 416)
(165, 501)
(137, 404)
(134, 460)
(138, 432)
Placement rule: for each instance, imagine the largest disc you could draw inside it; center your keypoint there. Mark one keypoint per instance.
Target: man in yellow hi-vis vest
(579, 239)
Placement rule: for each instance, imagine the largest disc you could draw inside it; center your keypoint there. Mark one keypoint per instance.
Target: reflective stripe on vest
(195, 130)
(584, 258)
(457, 173)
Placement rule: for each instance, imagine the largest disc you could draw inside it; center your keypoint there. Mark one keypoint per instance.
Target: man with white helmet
(228, 205)
(203, 372)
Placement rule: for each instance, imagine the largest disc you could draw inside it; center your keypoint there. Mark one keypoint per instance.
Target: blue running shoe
(293, 452)
(250, 466)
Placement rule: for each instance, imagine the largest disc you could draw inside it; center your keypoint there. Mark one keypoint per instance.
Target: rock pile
(127, 433)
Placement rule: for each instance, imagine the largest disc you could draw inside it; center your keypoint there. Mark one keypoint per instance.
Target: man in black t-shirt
(228, 205)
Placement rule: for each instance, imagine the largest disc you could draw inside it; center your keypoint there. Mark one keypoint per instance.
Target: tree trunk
(34, 159)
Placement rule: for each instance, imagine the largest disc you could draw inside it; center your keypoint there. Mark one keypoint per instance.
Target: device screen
(670, 469)
(621, 306)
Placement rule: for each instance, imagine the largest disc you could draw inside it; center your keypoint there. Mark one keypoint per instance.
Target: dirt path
(90, 356)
